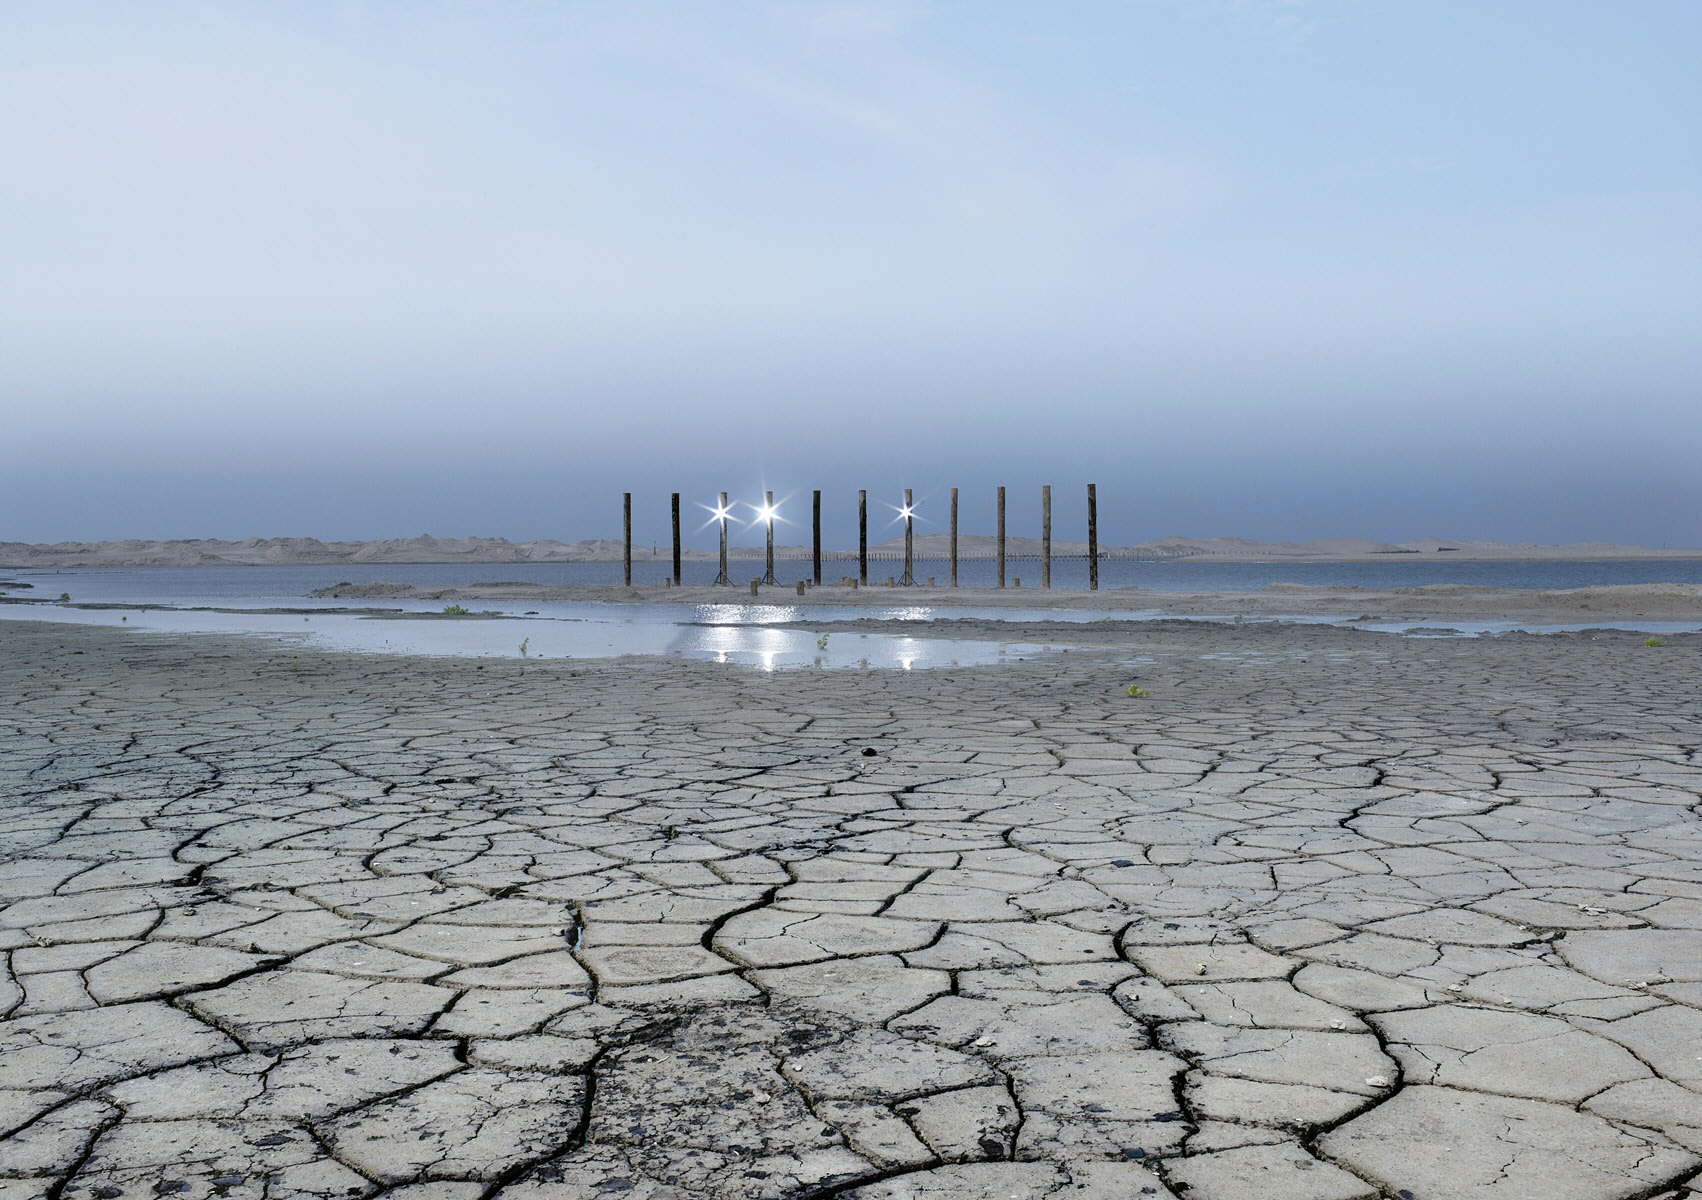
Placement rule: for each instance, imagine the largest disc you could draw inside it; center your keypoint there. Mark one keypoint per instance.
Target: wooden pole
(626, 545)
(909, 581)
(954, 537)
(723, 580)
(1046, 535)
(676, 539)
(862, 538)
(768, 574)
(815, 526)
(1001, 537)
(1092, 538)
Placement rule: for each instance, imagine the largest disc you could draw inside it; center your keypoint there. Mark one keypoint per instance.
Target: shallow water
(743, 634)
(613, 634)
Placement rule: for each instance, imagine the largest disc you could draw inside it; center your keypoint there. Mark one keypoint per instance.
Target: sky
(1265, 268)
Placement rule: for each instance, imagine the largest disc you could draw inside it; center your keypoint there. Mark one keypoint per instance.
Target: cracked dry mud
(1331, 915)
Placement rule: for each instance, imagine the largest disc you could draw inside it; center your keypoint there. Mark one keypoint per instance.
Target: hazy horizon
(1278, 269)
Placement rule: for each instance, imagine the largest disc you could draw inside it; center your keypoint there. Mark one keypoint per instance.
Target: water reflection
(747, 614)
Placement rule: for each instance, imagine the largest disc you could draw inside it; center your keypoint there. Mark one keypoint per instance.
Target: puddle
(1458, 629)
(730, 634)
(744, 634)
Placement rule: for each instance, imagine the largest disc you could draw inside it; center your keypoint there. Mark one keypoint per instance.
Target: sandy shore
(1326, 914)
(1442, 602)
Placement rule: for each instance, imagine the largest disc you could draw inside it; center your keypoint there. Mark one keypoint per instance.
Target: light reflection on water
(784, 614)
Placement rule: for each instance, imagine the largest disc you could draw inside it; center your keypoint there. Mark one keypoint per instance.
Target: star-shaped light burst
(907, 511)
(767, 513)
(720, 513)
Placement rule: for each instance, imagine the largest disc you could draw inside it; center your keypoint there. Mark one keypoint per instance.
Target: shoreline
(1670, 602)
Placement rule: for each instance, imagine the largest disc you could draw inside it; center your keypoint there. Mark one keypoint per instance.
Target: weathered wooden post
(721, 514)
(815, 526)
(676, 539)
(1046, 535)
(1092, 538)
(1001, 554)
(626, 542)
(909, 511)
(768, 514)
(862, 538)
(954, 537)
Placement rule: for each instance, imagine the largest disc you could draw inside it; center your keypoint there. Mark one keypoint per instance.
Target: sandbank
(1441, 602)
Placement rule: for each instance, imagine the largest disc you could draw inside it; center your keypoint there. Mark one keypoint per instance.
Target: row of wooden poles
(768, 578)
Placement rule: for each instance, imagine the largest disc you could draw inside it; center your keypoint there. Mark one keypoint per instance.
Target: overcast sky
(1275, 268)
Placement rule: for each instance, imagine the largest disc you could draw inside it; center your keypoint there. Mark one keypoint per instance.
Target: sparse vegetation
(524, 642)
(64, 596)
(1653, 641)
(821, 642)
(1137, 691)
(454, 610)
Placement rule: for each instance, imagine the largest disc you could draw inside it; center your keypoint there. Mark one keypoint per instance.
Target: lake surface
(248, 586)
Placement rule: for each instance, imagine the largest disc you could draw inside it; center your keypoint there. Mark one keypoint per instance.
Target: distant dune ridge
(297, 551)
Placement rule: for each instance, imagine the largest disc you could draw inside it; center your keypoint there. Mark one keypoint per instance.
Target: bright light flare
(767, 513)
(720, 514)
(907, 512)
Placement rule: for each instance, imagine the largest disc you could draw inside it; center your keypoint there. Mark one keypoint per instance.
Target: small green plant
(1653, 641)
(524, 642)
(454, 610)
(1137, 691)
(64, 596)
(821, 642)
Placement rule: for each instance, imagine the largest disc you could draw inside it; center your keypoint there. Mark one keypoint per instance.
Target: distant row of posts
(722, 513)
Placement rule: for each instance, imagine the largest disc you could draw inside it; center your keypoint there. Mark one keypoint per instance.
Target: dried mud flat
(1329, 915)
